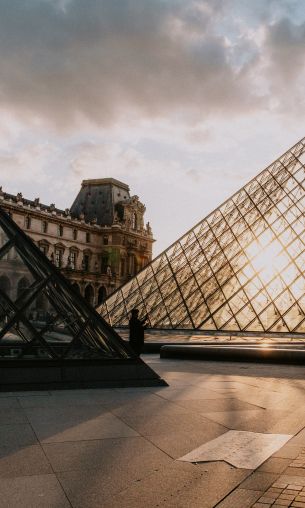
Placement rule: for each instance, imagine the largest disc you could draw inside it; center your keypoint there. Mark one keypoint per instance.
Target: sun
(267, 256)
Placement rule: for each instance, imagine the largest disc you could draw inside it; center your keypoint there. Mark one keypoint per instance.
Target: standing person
(136, 331)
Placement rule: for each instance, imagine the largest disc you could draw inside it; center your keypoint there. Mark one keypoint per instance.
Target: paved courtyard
(119, 448)
(189, 337)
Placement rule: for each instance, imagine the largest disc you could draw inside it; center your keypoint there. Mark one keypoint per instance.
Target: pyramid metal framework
(41, 315)
(241, 269)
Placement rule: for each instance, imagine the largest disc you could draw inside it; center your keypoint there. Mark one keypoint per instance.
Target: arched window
(89, 294)
(44, 246)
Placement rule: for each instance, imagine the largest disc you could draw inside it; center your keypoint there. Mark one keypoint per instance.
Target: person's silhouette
(136, 331)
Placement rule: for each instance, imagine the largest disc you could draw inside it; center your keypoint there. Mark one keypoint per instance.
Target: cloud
(284, 66)
(67, 61)
(182, 100)
(26, 164)
(285, 42)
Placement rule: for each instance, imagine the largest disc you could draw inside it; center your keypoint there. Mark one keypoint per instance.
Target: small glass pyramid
(241, 269)
(41, 316)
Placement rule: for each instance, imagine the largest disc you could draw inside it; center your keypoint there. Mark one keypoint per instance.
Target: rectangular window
(72, 260)
(106, 240)
(87, 237)
(60, 230)
(44, 226)
(27, 222)
(58, 258)
(74, 234)
(132, 264)
(104, 263)
(86, 261)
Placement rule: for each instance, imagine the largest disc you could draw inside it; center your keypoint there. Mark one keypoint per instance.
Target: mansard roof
(103, 181)
(34, 205)
(100, 203)
(98, 199)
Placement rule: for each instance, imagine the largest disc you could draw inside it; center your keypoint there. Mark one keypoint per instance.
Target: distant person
(136, 331)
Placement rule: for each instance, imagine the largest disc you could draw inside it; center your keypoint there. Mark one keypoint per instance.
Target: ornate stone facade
(98, 244)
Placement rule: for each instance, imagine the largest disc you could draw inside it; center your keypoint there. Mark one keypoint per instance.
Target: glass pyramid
(41, 316)
(241, 269)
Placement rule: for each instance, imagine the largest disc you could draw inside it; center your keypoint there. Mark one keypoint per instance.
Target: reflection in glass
(240, 269)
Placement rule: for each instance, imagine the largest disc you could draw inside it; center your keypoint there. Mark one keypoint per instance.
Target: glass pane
(242, 267)
(3, 238)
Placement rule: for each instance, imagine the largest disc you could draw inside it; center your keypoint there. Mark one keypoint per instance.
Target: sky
(185, 101)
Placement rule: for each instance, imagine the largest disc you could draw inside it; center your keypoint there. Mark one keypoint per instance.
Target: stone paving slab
(19, 394)
(37, 491)
(69, 414)
(69, 398)
(221, 405)
(259, 481)
(49, 401)
(167, 423)
(102, 427)
(108, 455)
(9, 402)
(29, 460)
(238, 420)
(179, 486)
(260, 398)
(241, 498)
(17, 435)
(188, 393)
(182, 440)
(118, 448)
(299, 439)
(289, 451)
(146, 407)
(12, 415)
(274, 465)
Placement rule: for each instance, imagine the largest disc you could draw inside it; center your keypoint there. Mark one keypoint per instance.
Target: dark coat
(136, 334)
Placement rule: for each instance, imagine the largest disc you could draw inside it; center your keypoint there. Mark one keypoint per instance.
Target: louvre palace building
(98, 244)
